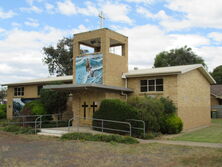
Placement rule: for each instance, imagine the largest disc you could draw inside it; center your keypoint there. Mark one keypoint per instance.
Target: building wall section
(194, 99)
(169, 87)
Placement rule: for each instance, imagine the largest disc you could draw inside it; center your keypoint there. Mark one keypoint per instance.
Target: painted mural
(89, 69)
(18, 103)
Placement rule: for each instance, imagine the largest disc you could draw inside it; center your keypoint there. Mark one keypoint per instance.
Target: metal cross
(84, 106)
(94, 106)
(102, 18)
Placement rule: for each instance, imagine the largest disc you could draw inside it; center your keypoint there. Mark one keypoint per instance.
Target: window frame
(151, 87)
(19, 91)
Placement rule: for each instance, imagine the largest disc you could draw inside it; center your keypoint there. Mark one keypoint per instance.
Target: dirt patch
(31, 150)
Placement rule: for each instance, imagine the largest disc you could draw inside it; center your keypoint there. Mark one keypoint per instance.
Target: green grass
(212, 134)
(18, 129)
(3, 122)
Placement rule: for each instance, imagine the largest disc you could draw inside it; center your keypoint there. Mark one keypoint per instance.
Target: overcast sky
(151, 25)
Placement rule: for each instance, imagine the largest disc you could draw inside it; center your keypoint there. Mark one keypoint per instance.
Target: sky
(26, 26)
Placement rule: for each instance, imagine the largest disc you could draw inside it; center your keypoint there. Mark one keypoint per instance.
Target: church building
(102, 73)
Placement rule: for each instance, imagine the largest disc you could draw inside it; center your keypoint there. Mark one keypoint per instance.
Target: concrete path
(184, 143)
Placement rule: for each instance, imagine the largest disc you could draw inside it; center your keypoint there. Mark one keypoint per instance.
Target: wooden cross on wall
(85, 106)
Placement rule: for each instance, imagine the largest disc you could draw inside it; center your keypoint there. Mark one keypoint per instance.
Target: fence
(143, 129)
(218, 109)
(104, 127)
(39, 121)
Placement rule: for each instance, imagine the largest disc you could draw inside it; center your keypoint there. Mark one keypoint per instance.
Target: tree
(217, 74)
(2, 94)
(180, 56)
(59, 58)
(54, 101)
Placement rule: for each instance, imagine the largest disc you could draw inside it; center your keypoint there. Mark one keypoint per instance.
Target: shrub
(169, 107)
(19, 129)
(114, 109)
(2, 111)
(171, 124)
(99, 137)
(35, 107)
(150, 110)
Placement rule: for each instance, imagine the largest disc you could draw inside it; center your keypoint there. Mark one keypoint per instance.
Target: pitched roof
(173, 70)
(216, 90)
(42, 80)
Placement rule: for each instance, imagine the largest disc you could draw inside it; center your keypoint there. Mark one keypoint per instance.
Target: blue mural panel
(89, 69)
(18, 104)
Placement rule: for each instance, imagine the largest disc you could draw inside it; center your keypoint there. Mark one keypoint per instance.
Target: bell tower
(100, 57)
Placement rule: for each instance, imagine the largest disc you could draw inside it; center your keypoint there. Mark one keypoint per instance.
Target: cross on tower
(84, 106)
(94, 106)
(102, 18)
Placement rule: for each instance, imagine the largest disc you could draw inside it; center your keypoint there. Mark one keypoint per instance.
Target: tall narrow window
(151, 85)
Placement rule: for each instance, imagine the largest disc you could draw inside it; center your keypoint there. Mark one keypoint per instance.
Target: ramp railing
(38, 123)
(143, 128)
(103, 128)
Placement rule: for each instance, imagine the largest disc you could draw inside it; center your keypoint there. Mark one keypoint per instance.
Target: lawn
(39, 151)
(212, 134)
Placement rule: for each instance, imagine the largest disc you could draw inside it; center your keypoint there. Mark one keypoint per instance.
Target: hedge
(100, 137)
(159, 115)
(114, 109)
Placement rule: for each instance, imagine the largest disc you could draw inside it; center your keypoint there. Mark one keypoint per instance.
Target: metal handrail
(69, 122)
(40, 123)
(143, 122)
(102, 124)
(22, 117)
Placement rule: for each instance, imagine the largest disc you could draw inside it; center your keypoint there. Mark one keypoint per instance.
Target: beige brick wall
(193, 99)
(10, 94)
(169, 86)
(89, 96)
(190, 92)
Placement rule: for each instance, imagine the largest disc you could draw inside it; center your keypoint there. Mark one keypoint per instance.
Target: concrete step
(49, 134)
(52, 132)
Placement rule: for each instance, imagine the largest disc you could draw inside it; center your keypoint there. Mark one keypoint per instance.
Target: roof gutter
(149, 75)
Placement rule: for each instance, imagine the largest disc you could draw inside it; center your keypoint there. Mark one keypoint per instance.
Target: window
(19, 91)
(117, 47)
(39, 89)
(151, 85)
